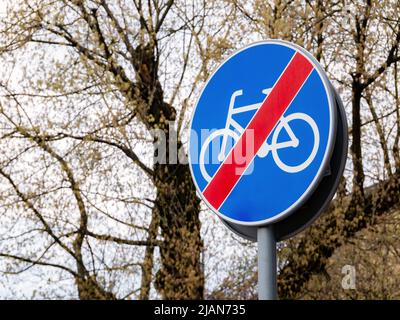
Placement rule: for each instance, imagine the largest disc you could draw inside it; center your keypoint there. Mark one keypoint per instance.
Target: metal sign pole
(267, 287)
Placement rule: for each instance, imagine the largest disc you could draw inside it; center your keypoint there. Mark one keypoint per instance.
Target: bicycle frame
(234, 130)
(230, 122)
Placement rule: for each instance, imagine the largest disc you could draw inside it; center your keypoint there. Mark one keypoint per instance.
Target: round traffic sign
(262, 133)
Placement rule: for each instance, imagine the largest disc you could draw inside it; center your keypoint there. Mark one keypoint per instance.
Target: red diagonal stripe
(261, 125)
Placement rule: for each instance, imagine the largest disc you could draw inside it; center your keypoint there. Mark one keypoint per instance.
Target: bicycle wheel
(297, 168)
(208, 142)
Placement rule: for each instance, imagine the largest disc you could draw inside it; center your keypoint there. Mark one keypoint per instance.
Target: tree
(116, 75)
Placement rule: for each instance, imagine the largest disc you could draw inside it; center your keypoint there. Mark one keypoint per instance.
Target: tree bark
(89, 289)
(356, 151)
(147, 265)
(176, 206)
(180, 276)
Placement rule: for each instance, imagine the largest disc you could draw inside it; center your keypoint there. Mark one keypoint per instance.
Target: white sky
(3, 8)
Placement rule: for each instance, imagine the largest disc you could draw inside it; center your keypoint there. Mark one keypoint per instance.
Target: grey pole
(267, 287)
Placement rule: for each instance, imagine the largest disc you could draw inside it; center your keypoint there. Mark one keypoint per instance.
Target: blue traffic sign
(262, 133)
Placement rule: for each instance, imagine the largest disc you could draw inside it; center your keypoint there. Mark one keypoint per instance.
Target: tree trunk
(396, 151)
(180, 276)
(89, 289)
(176, 206)
(147, 265)
(356, 151)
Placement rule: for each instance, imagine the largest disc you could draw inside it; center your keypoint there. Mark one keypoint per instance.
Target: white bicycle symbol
(266, 148)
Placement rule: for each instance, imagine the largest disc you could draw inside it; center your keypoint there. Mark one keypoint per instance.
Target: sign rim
(328, 151)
